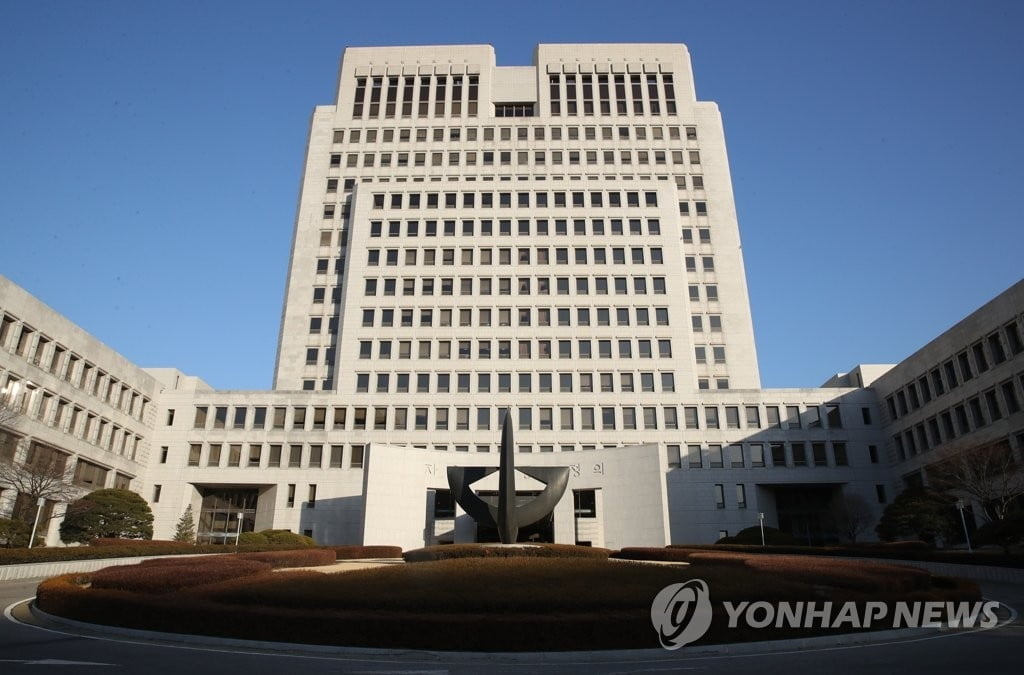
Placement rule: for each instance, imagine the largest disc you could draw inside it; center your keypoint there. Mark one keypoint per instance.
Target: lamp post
(40, 503)
(760, 519)
(963, 521)
(238, 535)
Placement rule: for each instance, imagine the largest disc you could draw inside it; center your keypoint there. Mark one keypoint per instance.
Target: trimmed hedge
(103, 541)
(170, 578)
(362, 552)
(554, 604)
(654, 554)
(14, 556)
(453, 551)
(898, 550)
(311, 557)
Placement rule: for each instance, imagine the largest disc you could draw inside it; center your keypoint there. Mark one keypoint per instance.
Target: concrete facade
(558, 240)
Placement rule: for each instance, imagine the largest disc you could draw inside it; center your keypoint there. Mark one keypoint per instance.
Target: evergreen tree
(186, 529)
(107, 513)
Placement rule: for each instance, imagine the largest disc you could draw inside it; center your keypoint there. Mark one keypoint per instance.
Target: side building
(74, 407)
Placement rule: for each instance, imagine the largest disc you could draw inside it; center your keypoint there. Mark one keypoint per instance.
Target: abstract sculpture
(506, 516)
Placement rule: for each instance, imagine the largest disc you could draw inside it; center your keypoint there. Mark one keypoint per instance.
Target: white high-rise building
(558, 241)
(570, 218)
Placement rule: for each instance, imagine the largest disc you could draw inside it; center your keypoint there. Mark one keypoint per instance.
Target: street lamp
(963, 521)
(760, 519)
(40, 503)
(238, 535)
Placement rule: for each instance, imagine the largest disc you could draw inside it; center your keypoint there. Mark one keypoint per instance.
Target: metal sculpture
(506, 516)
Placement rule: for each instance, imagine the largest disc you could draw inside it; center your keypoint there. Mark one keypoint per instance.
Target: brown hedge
(651, 553)
(362, 552)
(460, 604)
(453, 551)
(140, 543)
(168, 578)
(309, 557)
(14, 556)
(896, 550)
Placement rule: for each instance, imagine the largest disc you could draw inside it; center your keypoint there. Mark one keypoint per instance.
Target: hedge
(310, 557)
(170, 578)
(453, 551)
(362, 552)
(468, 604)
(898, 550)
(14, 556)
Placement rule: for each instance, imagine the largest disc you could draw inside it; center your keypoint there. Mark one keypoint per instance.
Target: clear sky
(150, 158)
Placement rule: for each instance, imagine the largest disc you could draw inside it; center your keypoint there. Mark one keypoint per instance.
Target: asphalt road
(29, 649)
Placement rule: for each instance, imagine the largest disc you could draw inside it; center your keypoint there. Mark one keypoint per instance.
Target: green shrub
(919, 512)
(107, 513)
(751, 536)
(278, 538)
(452, 551)
(253, 539)
(362, 552)
(14, 533)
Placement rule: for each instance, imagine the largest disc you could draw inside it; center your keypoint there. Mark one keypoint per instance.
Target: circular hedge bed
(474, 604)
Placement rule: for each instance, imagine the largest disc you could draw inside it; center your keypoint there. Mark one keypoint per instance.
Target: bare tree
(852, 516)
(48, 477)
(44, 473)
(987, 474)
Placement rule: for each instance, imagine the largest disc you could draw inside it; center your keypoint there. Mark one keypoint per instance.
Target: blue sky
(150, 157)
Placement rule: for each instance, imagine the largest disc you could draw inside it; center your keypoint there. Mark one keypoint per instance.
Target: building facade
(558, 241)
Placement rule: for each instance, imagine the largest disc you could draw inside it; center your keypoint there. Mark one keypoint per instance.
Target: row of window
(524, 199)
(518, 158)
(703, 383)
(43, 352)
(524, 316)
(520, 132)
(525, 349)
(350, 182)
(998, 347)
(647, 94)
(524, 285)
(328, 238)
(757, 455)
(713, 417)
(422, 96)
(43, 459)
(541, 382)
(257, 455)
(526, 418)
(969, 415)
(524, 255)
(57, 412)
(523, 227)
